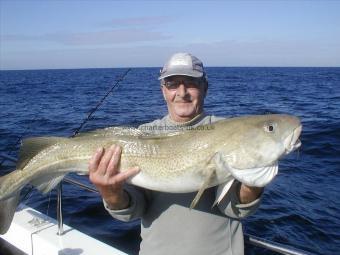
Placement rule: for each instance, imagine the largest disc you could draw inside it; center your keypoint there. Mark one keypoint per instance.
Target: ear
(205, 89)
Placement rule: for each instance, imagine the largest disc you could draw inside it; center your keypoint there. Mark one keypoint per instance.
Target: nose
(181, 90)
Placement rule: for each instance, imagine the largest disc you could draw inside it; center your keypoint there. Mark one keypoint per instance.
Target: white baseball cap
(182, 64)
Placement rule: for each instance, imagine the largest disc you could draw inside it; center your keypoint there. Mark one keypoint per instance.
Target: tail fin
(8, 202)
(7, 210)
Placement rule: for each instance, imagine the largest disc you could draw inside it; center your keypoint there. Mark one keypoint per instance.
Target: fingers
(105, 160)
(104, 166)
(123, 176)
(95, 160)
(113, 165)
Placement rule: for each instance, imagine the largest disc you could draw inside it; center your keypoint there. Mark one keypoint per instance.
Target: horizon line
(137, 67)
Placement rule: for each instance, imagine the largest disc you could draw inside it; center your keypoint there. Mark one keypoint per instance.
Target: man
(168, 225)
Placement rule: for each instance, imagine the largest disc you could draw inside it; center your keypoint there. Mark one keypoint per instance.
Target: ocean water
(300, 208)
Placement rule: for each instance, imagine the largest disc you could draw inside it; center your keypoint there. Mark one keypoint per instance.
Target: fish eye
(269, 127)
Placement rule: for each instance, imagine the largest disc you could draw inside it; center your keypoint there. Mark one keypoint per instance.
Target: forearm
(232, 206)
(135, 207)
(117, 200)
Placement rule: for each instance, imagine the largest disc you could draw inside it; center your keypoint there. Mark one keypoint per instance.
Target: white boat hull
(35, 233)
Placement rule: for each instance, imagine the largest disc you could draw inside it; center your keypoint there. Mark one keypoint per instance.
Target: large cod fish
(243, 148)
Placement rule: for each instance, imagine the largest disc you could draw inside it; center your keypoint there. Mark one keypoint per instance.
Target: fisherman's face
(184, 97)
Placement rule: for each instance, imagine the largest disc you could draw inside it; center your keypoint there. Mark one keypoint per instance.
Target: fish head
(261, 140)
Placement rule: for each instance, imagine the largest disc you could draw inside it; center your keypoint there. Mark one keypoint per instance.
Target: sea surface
(300, 208)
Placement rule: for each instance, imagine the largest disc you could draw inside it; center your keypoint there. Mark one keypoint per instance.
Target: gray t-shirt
(168, 224)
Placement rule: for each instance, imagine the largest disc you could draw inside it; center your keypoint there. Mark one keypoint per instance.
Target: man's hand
(248, 194)
(104, 174)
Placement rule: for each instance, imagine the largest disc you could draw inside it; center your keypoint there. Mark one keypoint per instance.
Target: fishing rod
(100, 103)
(118, 81)
(88, 117)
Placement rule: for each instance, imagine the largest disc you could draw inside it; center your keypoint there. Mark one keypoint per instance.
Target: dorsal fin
(161, 136)
(113, 131)
(32, 146)
(128, 131)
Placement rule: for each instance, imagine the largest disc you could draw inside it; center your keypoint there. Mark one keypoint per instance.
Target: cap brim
(180, 71)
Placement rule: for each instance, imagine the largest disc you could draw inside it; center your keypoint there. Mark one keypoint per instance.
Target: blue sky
(43, 34)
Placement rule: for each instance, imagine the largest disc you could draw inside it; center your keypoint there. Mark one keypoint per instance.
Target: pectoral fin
(222, 168)
(209, 171)
(206, 184)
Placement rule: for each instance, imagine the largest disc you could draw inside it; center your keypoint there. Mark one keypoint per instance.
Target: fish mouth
(292, 142)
